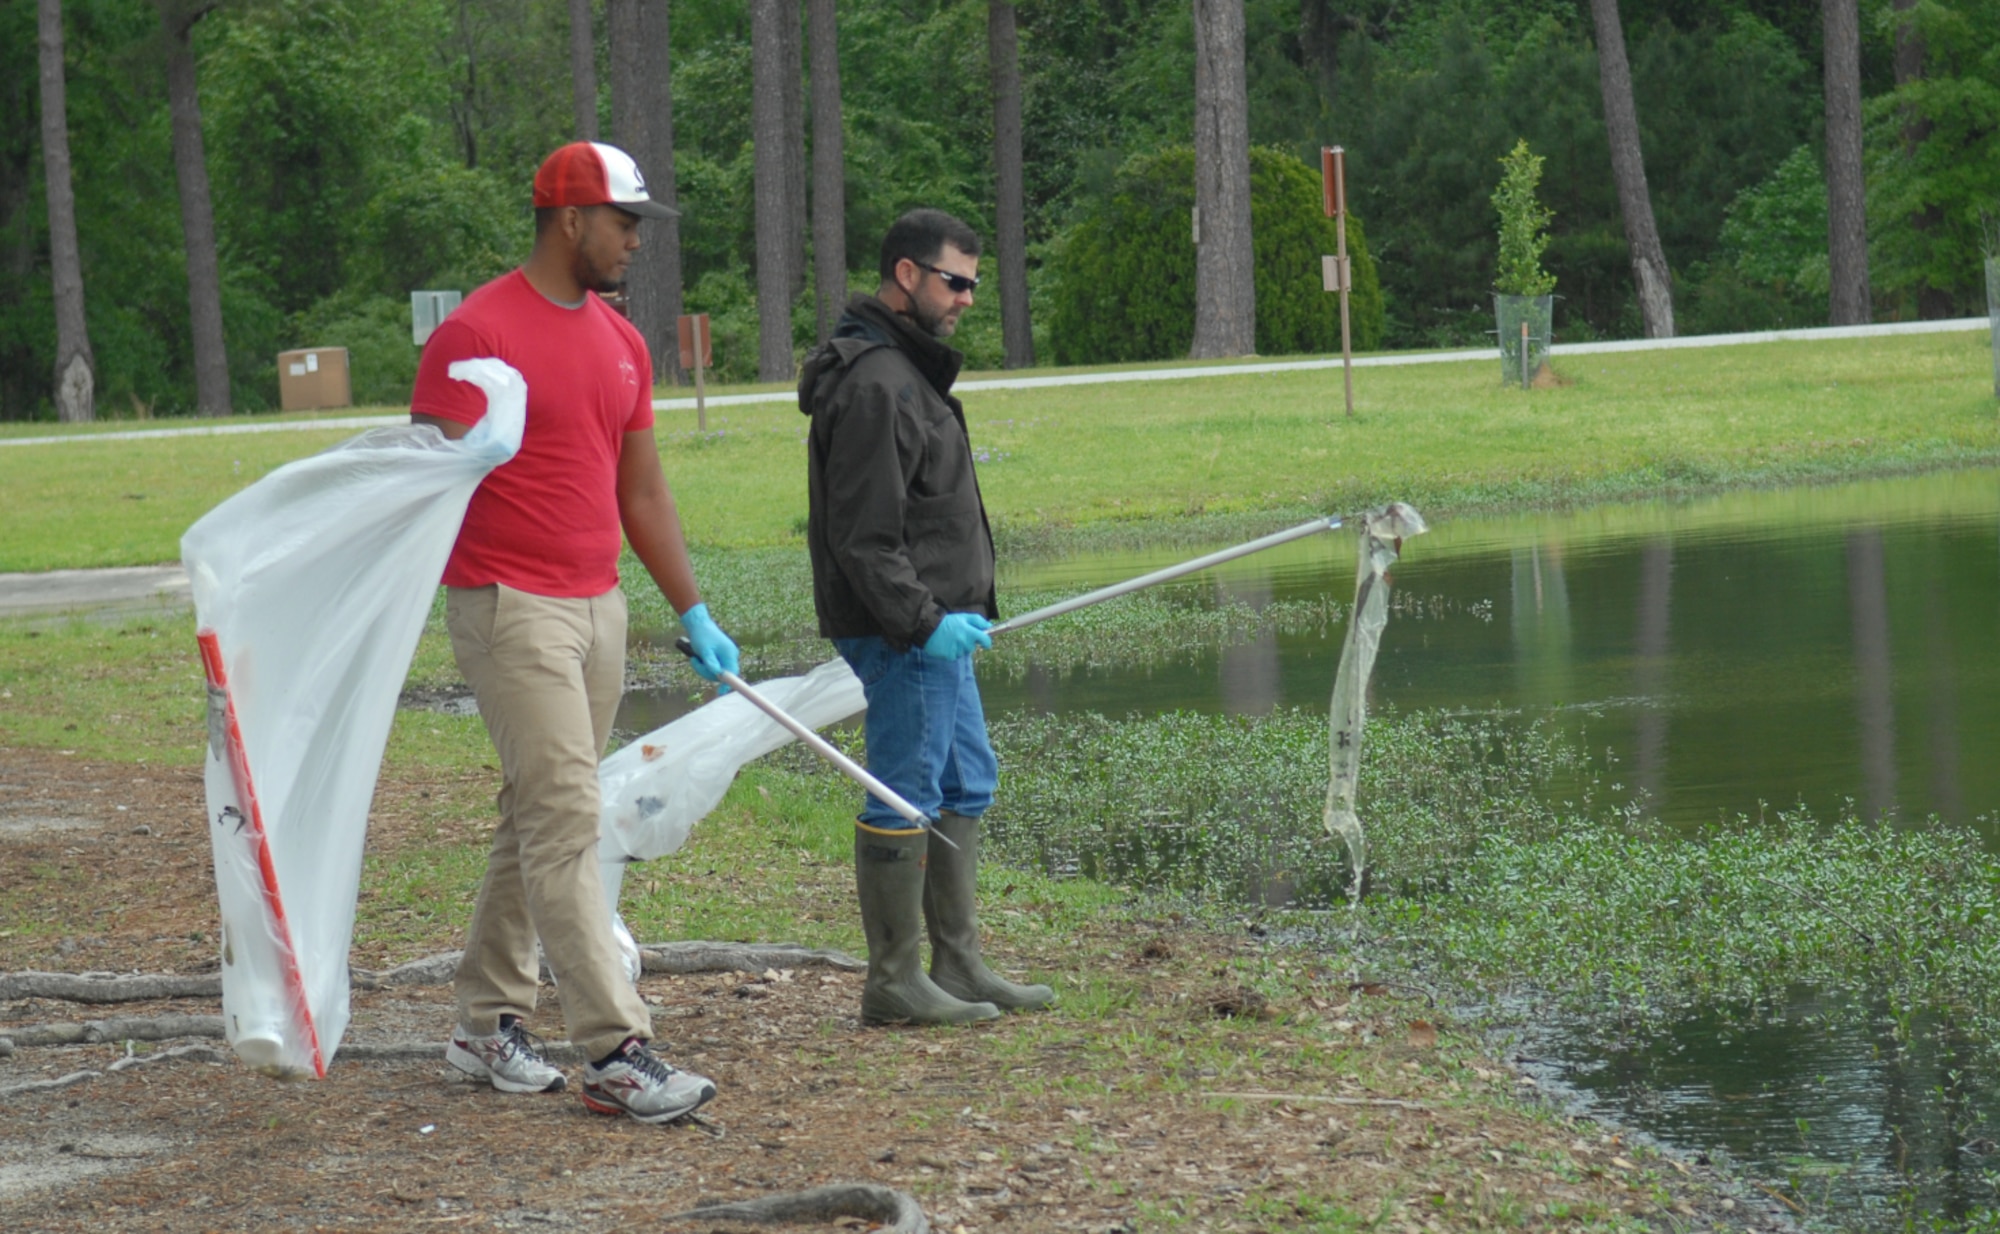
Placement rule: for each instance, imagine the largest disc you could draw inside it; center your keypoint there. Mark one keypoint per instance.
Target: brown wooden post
(1333, 187)
(697, 354)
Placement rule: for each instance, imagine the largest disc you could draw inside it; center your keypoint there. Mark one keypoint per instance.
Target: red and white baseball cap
(590, 173)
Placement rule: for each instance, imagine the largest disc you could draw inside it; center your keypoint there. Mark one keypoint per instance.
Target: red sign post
(697, 357)
(1337, 274)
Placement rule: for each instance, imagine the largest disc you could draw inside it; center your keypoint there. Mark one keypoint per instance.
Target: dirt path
(1104, 1116)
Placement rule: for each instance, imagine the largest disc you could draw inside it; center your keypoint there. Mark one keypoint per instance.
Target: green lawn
(1445, 436)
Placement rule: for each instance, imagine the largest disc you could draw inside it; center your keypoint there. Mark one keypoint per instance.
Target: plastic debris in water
(1383, 531)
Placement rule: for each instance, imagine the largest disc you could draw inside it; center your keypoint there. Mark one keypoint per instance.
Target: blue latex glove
(714, 652)
(957, 635)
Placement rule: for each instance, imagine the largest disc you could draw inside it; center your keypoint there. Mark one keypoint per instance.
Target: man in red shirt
(537, 624)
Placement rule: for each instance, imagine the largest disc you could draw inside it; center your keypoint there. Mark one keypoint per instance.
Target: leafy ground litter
(1189, 1081)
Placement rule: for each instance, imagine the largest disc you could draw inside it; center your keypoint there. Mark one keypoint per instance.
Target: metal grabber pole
(1329, 523)
(819, 745)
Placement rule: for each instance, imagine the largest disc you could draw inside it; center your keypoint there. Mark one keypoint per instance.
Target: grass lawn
(1444, 436)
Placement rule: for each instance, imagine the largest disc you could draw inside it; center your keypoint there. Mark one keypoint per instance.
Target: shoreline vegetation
(1120, 835)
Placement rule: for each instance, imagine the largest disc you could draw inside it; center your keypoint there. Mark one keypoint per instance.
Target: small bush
(1124, 276)
(1523, 225)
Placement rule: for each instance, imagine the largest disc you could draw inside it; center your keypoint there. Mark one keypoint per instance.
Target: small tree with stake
(1523, 305)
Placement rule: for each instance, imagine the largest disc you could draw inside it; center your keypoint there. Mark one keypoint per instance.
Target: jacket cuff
(927, 626)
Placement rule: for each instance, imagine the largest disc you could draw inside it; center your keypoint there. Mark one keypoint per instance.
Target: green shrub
(1124, 276)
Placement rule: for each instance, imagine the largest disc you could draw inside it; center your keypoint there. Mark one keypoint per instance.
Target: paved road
(122, 588)
(1393, 360)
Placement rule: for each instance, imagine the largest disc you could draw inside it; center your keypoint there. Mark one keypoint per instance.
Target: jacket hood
(825, 364)
(868, 323)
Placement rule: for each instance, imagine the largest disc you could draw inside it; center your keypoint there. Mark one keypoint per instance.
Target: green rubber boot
(889, 878)
(951, 891)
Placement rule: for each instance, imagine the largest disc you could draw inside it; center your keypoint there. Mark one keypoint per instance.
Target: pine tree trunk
(204, 267)
(1932, 303)
(1010, 241)
(1628, 168)
(583, 69)
(75, 377)
(1225, 289)
(795, 140)
(1846, 203)
(829, 169)
(772, 182)
(658, 263)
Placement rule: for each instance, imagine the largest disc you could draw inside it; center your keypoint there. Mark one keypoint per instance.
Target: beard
(940, 324)
(600, 279)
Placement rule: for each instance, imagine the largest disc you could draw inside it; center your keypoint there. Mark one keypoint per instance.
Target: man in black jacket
(902, 562)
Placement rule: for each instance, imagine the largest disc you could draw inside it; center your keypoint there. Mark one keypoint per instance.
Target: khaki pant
(548, 673)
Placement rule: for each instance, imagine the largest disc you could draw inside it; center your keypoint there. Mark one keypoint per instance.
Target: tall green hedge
(1124, 276)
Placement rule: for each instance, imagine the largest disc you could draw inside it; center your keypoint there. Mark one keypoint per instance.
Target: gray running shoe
(510, 1059)
(640, 1083)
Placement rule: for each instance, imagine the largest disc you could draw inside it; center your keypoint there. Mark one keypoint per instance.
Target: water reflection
(1649, 667)
(1874, 702)
(1719, 658)
(1838, 1111)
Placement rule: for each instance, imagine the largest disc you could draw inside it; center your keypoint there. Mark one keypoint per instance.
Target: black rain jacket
(895, 527)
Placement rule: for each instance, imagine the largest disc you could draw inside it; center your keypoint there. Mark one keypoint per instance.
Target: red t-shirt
(546, 521)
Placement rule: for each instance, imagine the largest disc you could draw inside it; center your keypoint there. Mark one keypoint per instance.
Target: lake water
(1721, 656)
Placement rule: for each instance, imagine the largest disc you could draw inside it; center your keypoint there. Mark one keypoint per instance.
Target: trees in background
(1628, 170)
(1225, 289)
(359, 149)
(76, 369)
(1123, 283)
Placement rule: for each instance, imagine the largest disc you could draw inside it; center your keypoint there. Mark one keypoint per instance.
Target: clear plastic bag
(311, 588)
(655, 789)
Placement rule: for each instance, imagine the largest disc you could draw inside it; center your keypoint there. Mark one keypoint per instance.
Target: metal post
(1525, 379)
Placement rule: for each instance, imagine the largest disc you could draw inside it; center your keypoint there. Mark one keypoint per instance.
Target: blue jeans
(926, 732)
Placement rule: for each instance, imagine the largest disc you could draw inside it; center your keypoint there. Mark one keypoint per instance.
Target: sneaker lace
(647, 1063)
(522, 1043)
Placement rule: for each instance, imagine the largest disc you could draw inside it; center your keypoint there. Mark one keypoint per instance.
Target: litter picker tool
(1088, 598)
(820, 746)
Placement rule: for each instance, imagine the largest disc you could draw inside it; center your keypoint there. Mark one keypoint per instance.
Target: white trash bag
(655, 789)
(311, 588)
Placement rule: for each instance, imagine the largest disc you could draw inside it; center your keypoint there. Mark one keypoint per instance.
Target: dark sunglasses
(958, 283)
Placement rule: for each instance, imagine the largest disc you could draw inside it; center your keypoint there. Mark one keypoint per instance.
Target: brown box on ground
(315, 377)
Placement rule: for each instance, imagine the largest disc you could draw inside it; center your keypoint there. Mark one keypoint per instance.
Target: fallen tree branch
(198, 1053)
(36, 1086)
(1391, 1102)
(77, 988)
(681, 958)
(706, 957)
(896, 1211)
(126, 1028)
